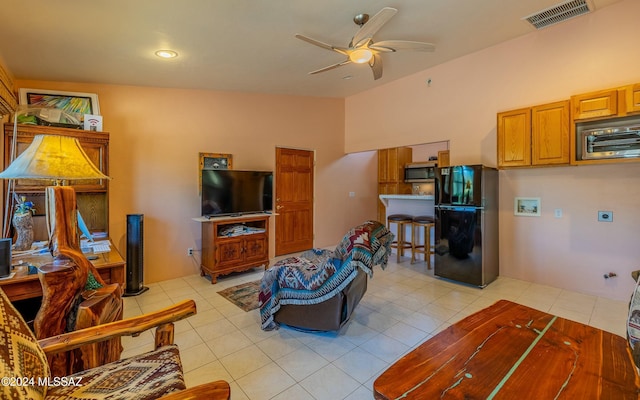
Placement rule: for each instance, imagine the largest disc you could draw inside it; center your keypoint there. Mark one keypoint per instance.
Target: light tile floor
(404, 306)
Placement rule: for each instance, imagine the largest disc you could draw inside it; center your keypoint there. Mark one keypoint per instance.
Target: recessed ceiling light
(166, 54)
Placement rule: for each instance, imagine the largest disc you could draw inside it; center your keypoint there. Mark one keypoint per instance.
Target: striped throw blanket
(317, 275)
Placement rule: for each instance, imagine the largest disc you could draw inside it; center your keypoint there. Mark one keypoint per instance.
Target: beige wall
(156, 135)
(593, 52)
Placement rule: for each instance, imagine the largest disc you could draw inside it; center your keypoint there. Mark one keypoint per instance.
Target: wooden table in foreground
(22, 286)
(510, 351)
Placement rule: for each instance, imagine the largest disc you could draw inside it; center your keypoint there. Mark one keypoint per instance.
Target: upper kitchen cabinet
(535, 136)
(603, 103)
(391, 164)
(514, 138)
(604, 126)
(611, 103)
(444, 159)
(632, 93)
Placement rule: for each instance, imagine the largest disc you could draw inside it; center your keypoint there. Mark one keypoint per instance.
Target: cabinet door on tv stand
(256, 248)
(228, 252)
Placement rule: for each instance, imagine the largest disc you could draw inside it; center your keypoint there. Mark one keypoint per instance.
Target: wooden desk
(23, 286)
(509, 351)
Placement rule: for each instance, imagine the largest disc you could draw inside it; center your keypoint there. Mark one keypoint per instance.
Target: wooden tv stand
(223, 254)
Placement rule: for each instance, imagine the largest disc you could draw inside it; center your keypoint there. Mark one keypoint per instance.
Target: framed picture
(527, 206)
(71, 102)
(213, 161)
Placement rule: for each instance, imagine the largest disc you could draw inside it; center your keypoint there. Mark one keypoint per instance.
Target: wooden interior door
(294, 200)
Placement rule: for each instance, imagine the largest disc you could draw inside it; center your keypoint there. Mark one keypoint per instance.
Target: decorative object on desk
(244, 295)
(23, 223)
(527, 206)
(59, 158)
(93, 122)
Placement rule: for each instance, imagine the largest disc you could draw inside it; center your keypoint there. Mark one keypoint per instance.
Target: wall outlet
(605, 216)
(558, 212)
(190, 251)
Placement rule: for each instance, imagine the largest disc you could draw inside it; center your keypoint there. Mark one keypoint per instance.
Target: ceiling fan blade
(376, 66)
(395, 45)
(366, 32)
(330, 67)
(321, 44)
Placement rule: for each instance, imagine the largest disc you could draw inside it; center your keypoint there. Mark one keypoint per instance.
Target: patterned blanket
(317, 275)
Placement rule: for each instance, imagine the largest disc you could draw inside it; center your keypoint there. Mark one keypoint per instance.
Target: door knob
(279, 207)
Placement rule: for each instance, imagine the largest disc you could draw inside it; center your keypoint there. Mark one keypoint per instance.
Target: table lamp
(59, 159)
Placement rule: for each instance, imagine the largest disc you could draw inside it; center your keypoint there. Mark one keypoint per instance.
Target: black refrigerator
(466, 206)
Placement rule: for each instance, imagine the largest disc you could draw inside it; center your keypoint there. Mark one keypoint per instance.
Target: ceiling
(243, 45)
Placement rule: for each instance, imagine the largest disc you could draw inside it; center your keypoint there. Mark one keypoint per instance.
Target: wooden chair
(152, 375)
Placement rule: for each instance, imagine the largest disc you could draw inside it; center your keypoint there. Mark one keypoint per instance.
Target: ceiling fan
(362, 49)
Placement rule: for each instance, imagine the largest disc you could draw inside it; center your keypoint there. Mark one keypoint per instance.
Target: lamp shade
(53, 157)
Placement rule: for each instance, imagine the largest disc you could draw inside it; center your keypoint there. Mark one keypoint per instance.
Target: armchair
(26, 373)
(320, 289)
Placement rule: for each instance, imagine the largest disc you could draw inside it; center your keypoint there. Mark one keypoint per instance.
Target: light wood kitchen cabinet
(391, 164)
(535, 136)
(443, 158)
(603, 103)
(611, 103)
(632, 93)
(514, 138)
(550, 134)
(620, 105)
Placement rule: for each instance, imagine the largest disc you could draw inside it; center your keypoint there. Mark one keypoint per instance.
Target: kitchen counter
(413, 205)
(384, 197)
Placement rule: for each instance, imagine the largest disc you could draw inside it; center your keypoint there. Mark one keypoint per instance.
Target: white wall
(592, 52)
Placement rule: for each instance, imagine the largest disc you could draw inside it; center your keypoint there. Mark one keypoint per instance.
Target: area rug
(244, 295)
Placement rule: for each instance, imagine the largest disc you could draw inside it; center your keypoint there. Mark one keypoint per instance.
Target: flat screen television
(234, 192)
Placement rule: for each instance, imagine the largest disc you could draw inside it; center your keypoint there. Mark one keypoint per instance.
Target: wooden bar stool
(426, 223)
(402, 221)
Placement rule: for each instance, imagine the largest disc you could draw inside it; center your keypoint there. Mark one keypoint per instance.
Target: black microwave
(420, 172)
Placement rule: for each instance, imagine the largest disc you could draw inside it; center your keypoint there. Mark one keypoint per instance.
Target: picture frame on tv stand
(213, 161)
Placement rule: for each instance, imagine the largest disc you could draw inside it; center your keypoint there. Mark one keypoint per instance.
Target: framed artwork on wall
(72, 102)
(213, 161)
(527, 206)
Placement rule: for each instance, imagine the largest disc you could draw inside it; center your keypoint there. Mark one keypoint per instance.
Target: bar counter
(413, 205)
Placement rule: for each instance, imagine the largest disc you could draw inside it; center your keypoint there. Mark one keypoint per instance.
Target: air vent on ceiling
(559, 13)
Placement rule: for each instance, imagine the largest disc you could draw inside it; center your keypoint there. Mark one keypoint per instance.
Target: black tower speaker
(135, 255)
(5, 257)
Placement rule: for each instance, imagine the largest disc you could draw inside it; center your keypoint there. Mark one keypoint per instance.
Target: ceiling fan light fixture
(360, 56)
(166, 54)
